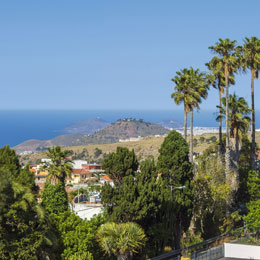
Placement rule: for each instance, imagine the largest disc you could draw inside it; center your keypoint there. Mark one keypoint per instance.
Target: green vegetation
(60, 166)
(144, 198)
(217, 80)
(154, 205)
(173, 163)
(190, 87)
(24, 233)
(121, 240)
(249, 59)
(238, 122)
(120, 164)
(54, 198)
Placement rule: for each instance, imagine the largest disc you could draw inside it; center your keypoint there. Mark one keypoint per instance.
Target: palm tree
(226, 51)
(217, 80)
(181, 95)
(250, 59)
(238, 120)
(60, 166)
(121, 240)
(191, 86)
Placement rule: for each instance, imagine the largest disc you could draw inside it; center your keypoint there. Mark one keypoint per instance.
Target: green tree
(60, 166)
(202, 139)
(250, 59)
(213, 139)
(7, 193)
(78, 236)
(24, 232)
(181, 95)
(97, 152)
(216, 67)
(238, 121)
(242, 194)
(211, 194)
(9, 161)
(120, 164)
(226, 51)
(176, 170)
(191, 86)
(121, 240)
(137, 199)
(54, 198)
(252, 220)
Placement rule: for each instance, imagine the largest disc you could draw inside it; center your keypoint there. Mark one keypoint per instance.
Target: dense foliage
(121, 240)
(77, 236)
(144, 196)
(24, 233)
(176, 171)
(54, 198)
(120, 164)
(252, 220)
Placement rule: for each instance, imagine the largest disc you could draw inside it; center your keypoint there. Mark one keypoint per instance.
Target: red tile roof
(106, 178)
(81, 171)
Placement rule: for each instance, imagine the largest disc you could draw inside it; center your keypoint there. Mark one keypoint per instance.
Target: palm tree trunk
(237, 150)
(185, 124)
(220, 124)
(191, 135)
(227, 155)
(253, 167)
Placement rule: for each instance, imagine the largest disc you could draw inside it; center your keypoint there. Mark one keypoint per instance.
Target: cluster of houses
(82, 173)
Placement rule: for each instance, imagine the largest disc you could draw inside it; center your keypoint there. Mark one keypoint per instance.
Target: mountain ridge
(121, 129)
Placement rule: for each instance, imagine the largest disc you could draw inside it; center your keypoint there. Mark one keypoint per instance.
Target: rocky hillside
(122, 129)
(33, 145)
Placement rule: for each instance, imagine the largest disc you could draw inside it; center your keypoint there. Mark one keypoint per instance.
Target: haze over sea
(19, 126)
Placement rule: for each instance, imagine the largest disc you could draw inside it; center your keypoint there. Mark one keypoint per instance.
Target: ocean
(19, 126)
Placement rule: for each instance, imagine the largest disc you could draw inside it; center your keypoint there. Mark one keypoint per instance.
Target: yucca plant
(121, 240)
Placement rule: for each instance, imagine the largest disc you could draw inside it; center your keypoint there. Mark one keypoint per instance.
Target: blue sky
(113, 54)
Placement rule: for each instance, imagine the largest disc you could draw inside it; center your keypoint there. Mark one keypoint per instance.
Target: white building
(77, 164)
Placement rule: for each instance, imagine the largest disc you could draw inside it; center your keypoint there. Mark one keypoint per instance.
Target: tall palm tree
(250, 59)
(238, 120)
(217, 80)
(226, 51)
(181, 94)
(191, 86)
(60, 166)
(121, 240)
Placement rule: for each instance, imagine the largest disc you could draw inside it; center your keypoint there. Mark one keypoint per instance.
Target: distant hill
(125, 129)
(89, 126)
(33, 145)
(170, 124)
(121, 129)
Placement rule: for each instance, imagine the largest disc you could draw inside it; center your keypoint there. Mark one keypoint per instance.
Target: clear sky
(108, 54)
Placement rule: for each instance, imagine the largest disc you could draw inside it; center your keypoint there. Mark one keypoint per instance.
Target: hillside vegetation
(145, 148)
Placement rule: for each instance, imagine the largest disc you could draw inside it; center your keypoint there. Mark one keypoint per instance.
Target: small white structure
(86, 211)
(240, 251)
(77, 164)
(229, 251)
(45, 160)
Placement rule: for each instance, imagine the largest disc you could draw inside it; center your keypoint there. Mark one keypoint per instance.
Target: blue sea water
(19, 126)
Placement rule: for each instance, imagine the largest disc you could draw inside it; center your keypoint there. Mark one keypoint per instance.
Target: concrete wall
(241, 251)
